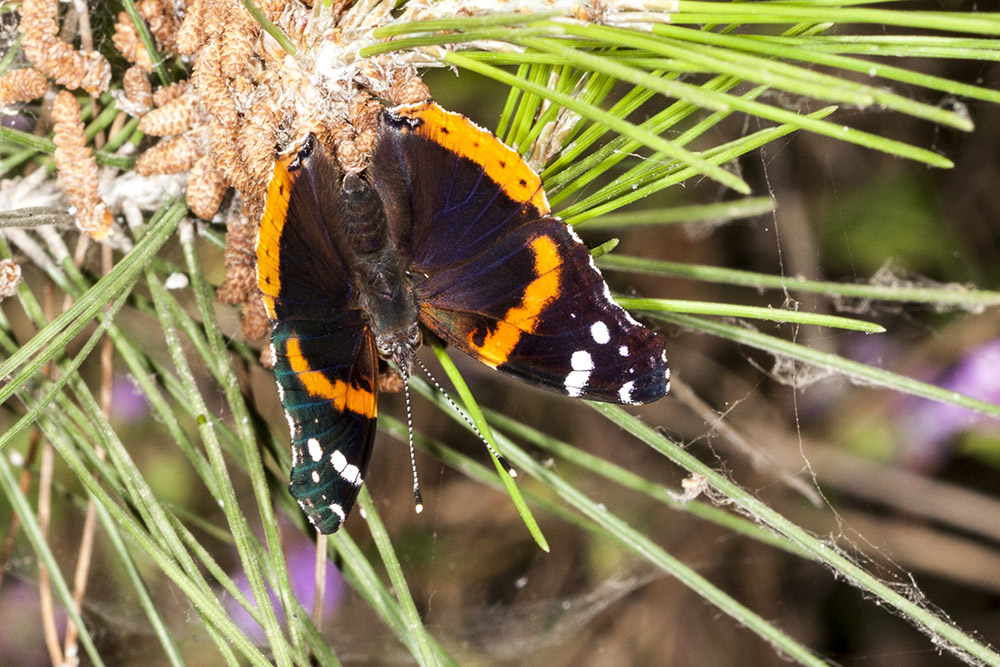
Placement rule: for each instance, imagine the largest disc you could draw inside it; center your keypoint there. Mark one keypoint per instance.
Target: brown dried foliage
(77, 168)
(54, 57)
(21, 85)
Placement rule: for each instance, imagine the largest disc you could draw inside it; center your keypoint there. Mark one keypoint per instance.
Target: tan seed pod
(255, 143)
(170, 156)
(390, 381)
(137, 89)
(10, 277)
(407, 87)
(364, 113)
(272, 9)
(21, 85)
(237, 41)
(242, 87)
(206, 188)
(212, 87)
(190, 34)
(241, 262)
(164, 94)
(77, 169)
(266, 359)
(163, 22)
(350, 157)
(96, 72)
(126, 40)
(354, 141)
(174, 117)
(255, 324)
(224, 150)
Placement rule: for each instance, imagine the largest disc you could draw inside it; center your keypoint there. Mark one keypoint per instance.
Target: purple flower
(300, 555)
(929, 427)
(128, 404)
(21, 637)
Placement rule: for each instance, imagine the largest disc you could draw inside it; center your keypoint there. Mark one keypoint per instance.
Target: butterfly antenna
(418, 500)
(468, 420)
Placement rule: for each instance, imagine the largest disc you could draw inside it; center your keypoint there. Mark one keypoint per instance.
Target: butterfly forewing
(499, 278)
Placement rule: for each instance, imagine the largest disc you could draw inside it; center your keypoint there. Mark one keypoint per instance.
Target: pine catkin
(21, 85)
(170, 156)
(55, 58)
(206, 188)
(137, 89)
(77, 169)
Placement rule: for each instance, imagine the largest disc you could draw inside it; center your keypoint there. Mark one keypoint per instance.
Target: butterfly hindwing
(324, 354)
(551, 321)
(326, 373)
(499, 278)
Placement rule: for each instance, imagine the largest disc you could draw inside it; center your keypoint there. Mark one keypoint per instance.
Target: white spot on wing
(338, 510)
(582, 361)
(315, 450)
(352, 475)
(315, 477)
(338, 461)
(576, 381)
(625, 393)
(623, 350)
(599, 332)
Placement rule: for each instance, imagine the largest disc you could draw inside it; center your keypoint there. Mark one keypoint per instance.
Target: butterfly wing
(496, 276)
(324, 354)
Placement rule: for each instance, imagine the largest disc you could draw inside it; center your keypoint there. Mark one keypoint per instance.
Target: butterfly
(447, 228)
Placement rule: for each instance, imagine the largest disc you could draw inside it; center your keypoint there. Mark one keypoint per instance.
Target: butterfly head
(399, 347)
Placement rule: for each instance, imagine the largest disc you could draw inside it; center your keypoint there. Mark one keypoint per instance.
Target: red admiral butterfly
(448, 228)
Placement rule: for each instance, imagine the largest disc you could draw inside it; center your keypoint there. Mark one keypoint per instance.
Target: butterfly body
(448, 228)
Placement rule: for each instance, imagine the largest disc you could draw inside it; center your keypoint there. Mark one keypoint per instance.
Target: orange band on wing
(269, 234)
(343, 395)
(461, 136)
(523, 318)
